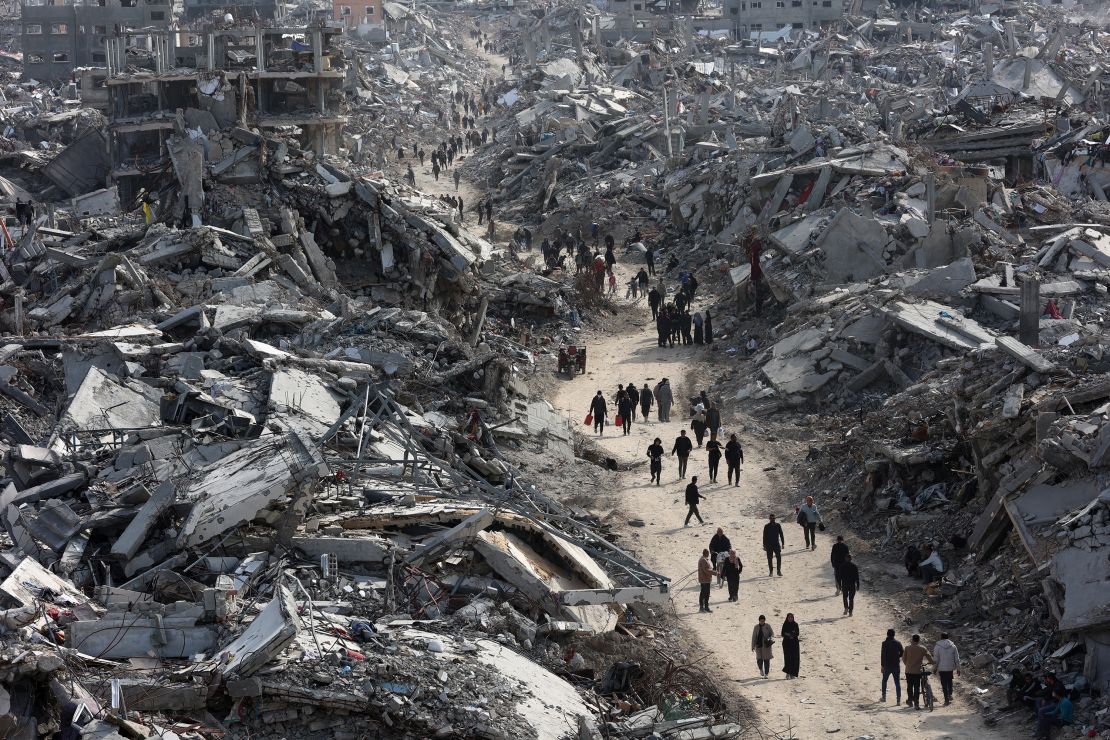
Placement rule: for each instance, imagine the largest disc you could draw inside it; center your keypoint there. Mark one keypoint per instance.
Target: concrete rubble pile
(255, 405)
(927, 195)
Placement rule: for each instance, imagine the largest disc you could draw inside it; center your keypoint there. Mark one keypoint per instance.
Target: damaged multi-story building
(760, 16)
(58, 37)
(271, 78)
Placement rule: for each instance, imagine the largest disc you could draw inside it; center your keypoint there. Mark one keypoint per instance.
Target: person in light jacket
(664, 399)
(763, 637)
(705, 581)
(812, 519)
(947, 658)
(932, 567)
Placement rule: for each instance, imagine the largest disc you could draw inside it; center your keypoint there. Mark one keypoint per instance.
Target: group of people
(674, 322)
(1044, 695)
(627, 400)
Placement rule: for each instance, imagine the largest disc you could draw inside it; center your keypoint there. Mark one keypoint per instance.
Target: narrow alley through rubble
(838, 691)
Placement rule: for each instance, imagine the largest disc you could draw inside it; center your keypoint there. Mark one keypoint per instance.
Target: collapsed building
(259, 397)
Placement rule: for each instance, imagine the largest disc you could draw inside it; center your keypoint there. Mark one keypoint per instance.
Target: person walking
(682, 447)
(610, 258)
(713, 420)
(624, 411)
(697, 424)
(809, 517)
(458, 178)
(705, 580)
(410, 177)
(734, 456)
(698, 321)
(763, 637)
(646, 399)
(849, 583)
(890, 660)
(718, 548)
(947, 659)
(713, 453)
(663, 326)
(435, 171)
(664, 399)
(791, 646)
(836, 557)
(692, 498)
(913, 658)
(642, 280)
(731, 569)
(655, 454)
(649, 257)
(633, 398)
(655, 300)
(708, 327)
(773, 542)
(598, 410)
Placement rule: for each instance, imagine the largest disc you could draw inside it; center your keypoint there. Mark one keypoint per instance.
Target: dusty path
(838, 690)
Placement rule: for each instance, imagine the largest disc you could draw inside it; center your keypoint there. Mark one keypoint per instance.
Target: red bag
(589, 419)
(618, 420)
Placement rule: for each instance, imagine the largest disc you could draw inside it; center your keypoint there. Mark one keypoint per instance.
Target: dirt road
(838, 691)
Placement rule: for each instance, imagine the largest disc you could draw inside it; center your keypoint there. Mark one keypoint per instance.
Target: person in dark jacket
(610, 259)
(655, 300)
(598, 409)
(708, 328)
(624, 411)
(713, 453)
(663, 326)
(734, 456)
(849, 583)
(839, 552)
(718, 546)
(891, 664)
(791, 646)
(655, 453)
(713, 420)
(773, 542)
(682, 447)
(646, 398)
(634, 397)
(692, 498)
(731, 568)
(697, 425)
(675, 315)
(687, 324)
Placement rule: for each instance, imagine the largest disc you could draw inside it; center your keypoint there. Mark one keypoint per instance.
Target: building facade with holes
(59, 36)
(358, 16)
(769, 16)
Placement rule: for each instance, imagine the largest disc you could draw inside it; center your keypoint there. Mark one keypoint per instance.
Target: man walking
(947, 659)
(891, 662)
(655, 454)
(734, 455)
(692, 498)
(773, 542)
(913, 657)
(682, 447)
(718, 548)
(849, 583)
(705, 580)
(598, 409)
(839, 552)
(634, 398)
(809, 518)
(655, 300)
